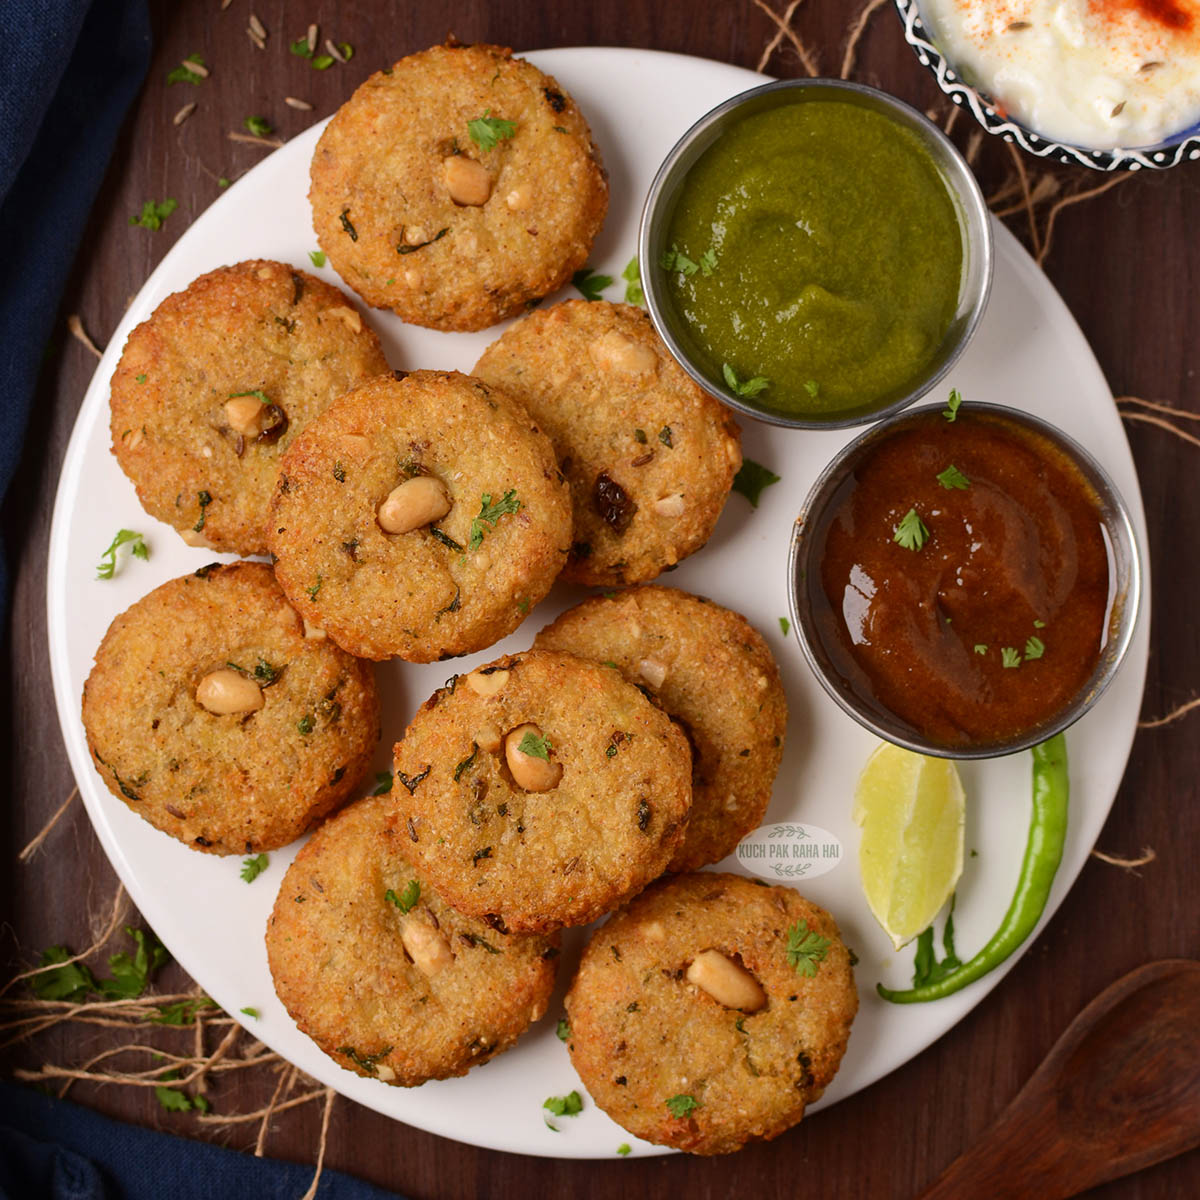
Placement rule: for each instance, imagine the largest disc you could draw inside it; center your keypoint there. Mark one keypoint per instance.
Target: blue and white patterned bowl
(1179, 147)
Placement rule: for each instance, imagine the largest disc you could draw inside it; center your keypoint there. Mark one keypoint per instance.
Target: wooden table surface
(1128, 265)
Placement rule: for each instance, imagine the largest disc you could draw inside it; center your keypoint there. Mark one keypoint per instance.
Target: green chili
(1043, 852)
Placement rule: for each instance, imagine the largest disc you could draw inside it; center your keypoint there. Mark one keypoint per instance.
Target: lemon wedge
(911, 810)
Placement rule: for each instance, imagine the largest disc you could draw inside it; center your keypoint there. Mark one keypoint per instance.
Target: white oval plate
(1029, 352)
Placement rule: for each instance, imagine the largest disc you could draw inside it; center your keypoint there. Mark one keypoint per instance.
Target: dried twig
(1174, 715)
(75, 325)
(296, 102)
(785, 30)
(183, 114)
(1127, 864)
(35, 845)
(1075, 198)
(1169, 409)
(856, 31)
(330, 1096)
(1035, 237)
(252, 139)
(1150, 420)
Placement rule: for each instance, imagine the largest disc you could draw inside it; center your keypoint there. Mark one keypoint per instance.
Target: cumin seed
(1120, 108)
(1018, 26)
(1147, 67)
(257, 27)
(183, 114)
(334, 51)
(296, 102)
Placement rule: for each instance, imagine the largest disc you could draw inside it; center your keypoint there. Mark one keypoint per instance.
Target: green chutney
(815, 245)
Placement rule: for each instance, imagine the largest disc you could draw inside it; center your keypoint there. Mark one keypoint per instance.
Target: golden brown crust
(239, 782)
(539, 860)
(336, 947)
(255, 326)
(383, 210)
(440, 590)
(650, 456)
(709, 669)
(642, 1034)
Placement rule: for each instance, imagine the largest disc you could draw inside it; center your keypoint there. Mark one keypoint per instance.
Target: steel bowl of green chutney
(815, 253)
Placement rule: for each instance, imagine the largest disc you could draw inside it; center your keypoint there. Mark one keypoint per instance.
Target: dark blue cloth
(55, 1150)
(70, 70)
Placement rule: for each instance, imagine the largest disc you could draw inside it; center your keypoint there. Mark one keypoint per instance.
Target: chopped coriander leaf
(1009, 657)
(784, 626)
(322, 62)
(258, 394)
(316, 587)
(223, 181)
(589, 284)
(570, 1105)
(563, 1030)
(745, 388)
(316, 257)
(912, 533)
(752, 480)
(252, 868)
(708, 261)
(467, 763)
(675, 260)
(300, 48)
(664, 436)
(205, 500)
(624, 1149)
(136, 542)
(305, 725)
(409, 895)
(259, 126)
(348, 228)
(140, 378)
(1034, 648)
(181, 74)
(383, 784)
(154, 214)
(487, 132)
(536, 746)
(952, 405)
(681, 1105)
(130, 976)
(805, 949)
(489, 514)
(523, 605)
(981, 648)
(633, 282)
(250, 1012)
(952, 477)
(1039, 624)
(173, 1100)
(405, 248)
(182, 1012)
(68, 981)
(812, 387)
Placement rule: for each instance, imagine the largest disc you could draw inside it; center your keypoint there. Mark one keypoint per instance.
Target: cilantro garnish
(926, 967)
(784, 626)
(250, 1012)
(405, 248)
(223, 182)
(182, 1012)
(563, 1030)
(136, 542)
(305, 725)
(745, 388)
(536, 746)
(467, 762)
(489, 514)
(1010, 657)
(205, 500)
(314, 591)
(365, 1061)
(140, 378)
(407, 900)
(1039, 624)
(181, 74)
(805, 949)
(752, 480)
(300, 48)
(812, 387)
(316, 257)
(682, 1105)
(633, 282)
(410, 781)
(952, 477)
(624, 1149)
(708, 261)
(570, 1105)
(259, 126)
(1034, 648)
(172, 1099)
(73, 981)
(590, 284)
(664, 436)
(347, 227)
(383, 783)
(675, 260)
(912, 533)
(487, 132)
(258, 394)
(154, 214)
(951, 409)
(252, 868)
(981, 648)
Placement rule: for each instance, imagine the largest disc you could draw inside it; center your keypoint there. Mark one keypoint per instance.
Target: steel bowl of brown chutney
(964, 580)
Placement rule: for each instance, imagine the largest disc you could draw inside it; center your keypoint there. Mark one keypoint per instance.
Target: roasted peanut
(486, 685)
(529, 771)
(468, 182)
(225, 691)
(414, 503)
(726, 982)
(426, 946)
(245, 415)
(616, 352)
